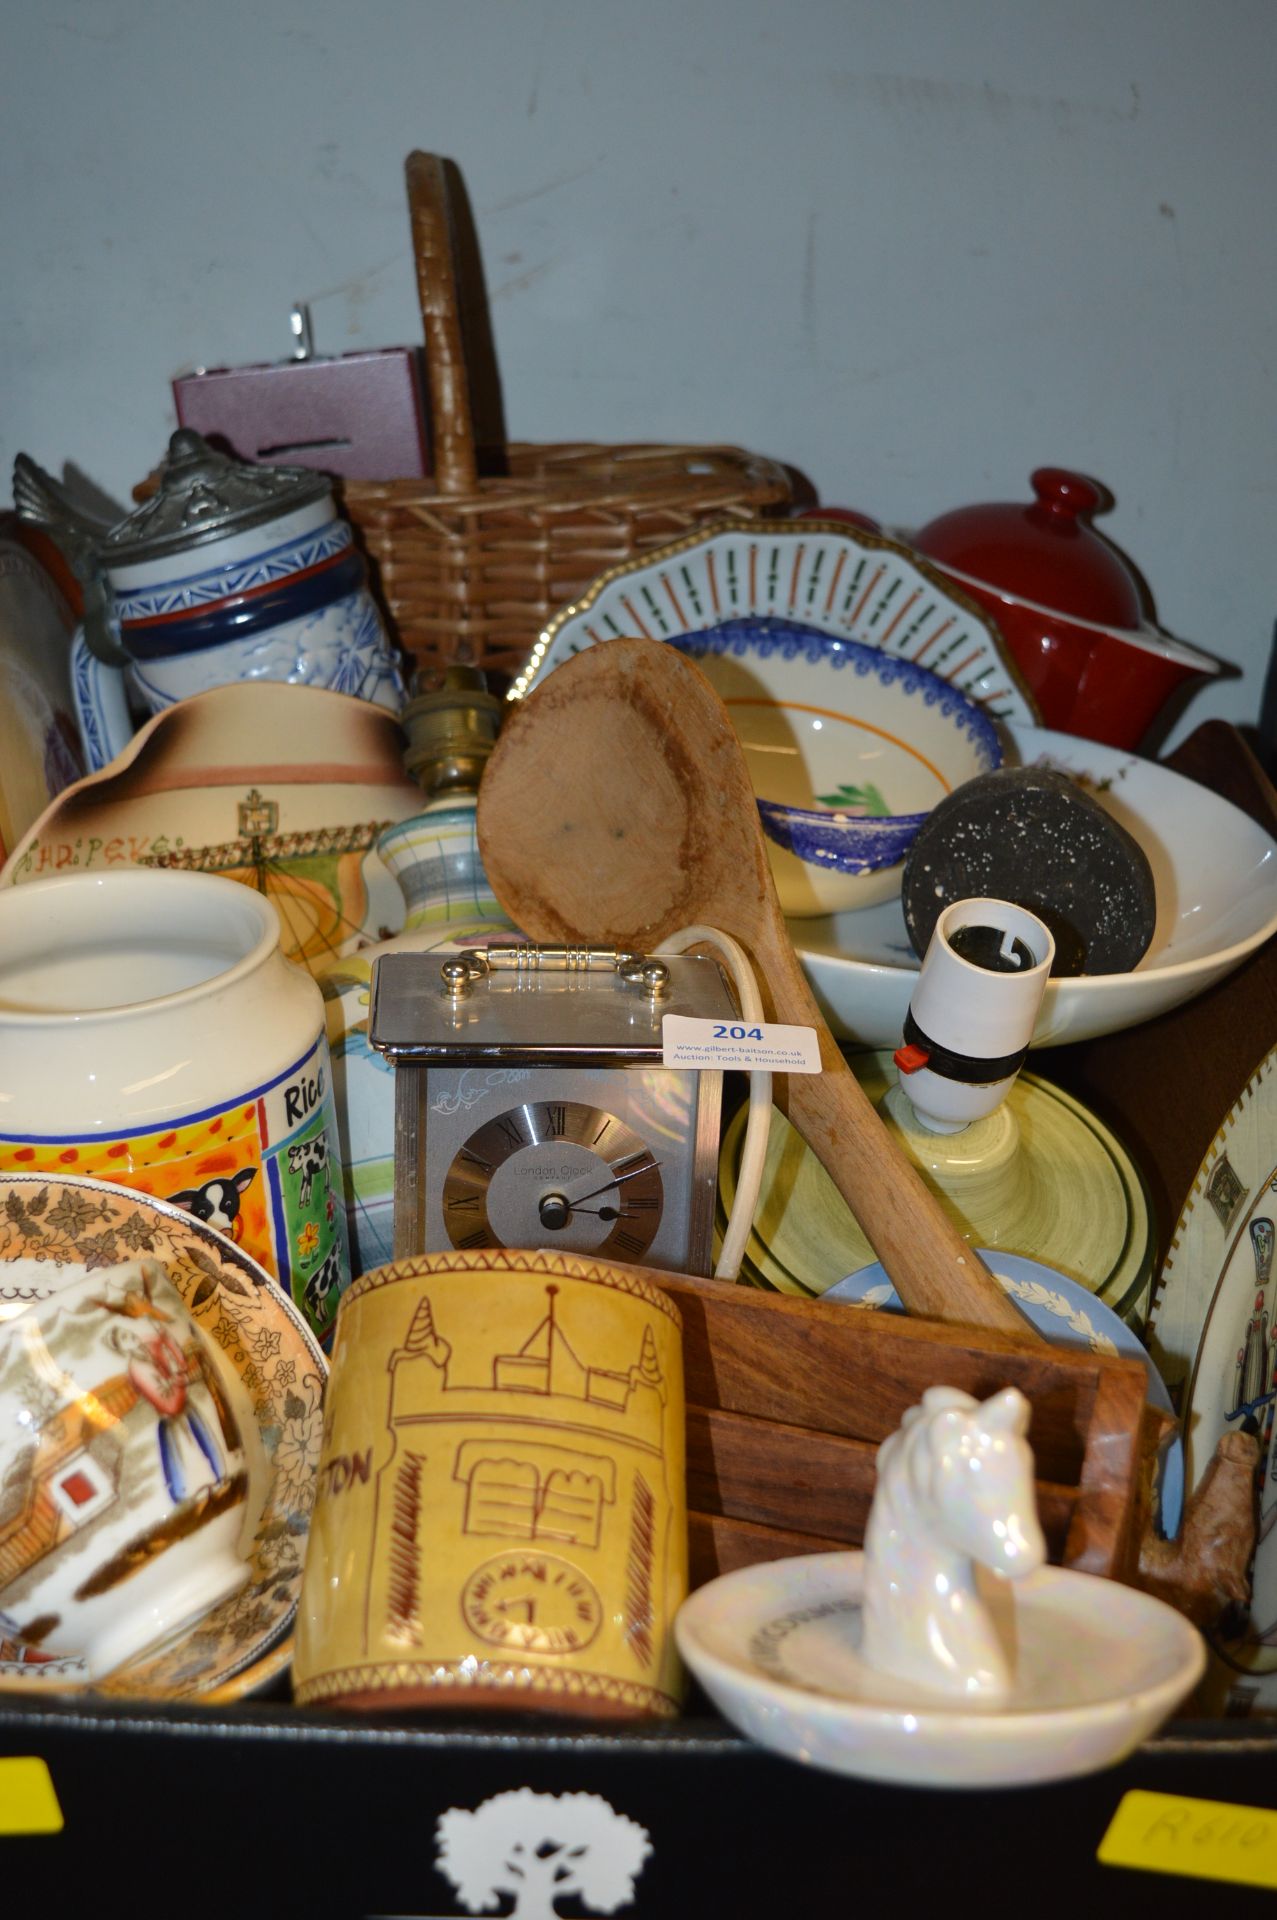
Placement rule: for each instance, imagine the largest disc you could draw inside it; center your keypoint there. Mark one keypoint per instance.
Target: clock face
(532, 1602)
(555, 1173)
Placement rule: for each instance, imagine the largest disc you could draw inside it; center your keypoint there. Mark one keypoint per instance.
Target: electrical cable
(753, 1157)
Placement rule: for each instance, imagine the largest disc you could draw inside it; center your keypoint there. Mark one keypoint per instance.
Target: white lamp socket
(983, 1009)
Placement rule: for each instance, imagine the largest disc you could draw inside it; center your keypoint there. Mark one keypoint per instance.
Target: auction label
(719, 1045)
(28, 1803)
(1202, 1839)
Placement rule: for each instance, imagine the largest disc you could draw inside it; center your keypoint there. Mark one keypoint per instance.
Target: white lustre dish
(1214, 868)
(1098, 1668)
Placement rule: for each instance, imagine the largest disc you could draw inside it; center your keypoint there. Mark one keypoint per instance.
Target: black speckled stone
(1030, 835)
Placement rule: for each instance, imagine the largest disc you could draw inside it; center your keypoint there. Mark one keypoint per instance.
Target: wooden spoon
(617, 808)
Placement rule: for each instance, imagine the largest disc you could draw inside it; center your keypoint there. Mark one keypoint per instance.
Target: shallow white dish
(1215, 871)
(1099, 1667)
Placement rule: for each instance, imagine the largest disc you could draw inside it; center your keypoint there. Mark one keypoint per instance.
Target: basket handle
(433, 245)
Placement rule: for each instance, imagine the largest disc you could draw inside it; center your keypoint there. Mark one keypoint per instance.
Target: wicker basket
(471, 566)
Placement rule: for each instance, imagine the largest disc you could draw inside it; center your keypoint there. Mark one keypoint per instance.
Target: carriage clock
(532, 1108)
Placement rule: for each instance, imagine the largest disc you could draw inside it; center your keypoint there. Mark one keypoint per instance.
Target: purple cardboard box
(359, 415)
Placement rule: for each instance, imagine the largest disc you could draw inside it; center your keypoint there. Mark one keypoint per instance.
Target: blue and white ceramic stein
(227, 572)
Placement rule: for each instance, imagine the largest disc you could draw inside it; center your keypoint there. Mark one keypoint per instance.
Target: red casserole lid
(1047, 552)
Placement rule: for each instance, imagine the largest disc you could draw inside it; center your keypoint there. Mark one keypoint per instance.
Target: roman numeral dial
(556, 1173)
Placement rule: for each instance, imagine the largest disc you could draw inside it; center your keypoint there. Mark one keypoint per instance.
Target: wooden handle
(929, 1263)
(451, 417)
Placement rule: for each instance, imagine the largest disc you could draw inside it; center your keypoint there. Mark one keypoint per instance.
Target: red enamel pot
(1068, 606)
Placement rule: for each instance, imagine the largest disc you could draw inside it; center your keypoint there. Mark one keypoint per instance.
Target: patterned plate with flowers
(51, 1231)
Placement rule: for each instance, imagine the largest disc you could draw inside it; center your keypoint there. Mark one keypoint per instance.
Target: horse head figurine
(955, 1489)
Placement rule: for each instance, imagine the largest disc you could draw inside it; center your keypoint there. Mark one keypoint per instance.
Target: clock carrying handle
(526, 956)
(753, 1157)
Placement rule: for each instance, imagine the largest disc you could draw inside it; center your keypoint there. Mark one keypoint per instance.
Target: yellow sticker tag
(1204, 1839)
(28, 1803)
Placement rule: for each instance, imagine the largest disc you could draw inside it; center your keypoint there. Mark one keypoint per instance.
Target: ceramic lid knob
(1046, 552)
(1064, 495)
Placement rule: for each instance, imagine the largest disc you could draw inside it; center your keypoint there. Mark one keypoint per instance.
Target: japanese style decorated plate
(51, 1232)
(833, 578)
(1213, 1333)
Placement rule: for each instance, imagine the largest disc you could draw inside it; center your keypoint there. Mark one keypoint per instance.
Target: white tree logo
(540, 1847)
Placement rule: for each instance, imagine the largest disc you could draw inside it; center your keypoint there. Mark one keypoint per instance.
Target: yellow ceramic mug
(501, 1514)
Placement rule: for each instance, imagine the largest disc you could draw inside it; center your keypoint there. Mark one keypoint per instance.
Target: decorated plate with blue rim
(850, 584)
(54, 1230)
(1064, 1312)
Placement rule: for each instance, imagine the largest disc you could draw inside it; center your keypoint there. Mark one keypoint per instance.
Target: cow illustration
(322, 1282)
(217, 1201)
(308, 1158)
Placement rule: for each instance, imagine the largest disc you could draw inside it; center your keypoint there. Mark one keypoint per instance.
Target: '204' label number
(765, 1046)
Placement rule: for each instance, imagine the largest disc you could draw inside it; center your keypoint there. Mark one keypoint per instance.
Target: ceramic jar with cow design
(153, 1035)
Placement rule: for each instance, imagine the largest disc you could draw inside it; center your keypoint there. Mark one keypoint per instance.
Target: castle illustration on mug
(515, 1482)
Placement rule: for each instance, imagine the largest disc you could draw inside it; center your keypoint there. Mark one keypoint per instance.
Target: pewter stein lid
(204, 496)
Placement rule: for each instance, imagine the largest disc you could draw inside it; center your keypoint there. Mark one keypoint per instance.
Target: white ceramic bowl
(1099, 1667)
(1215, 872)
(848, 747)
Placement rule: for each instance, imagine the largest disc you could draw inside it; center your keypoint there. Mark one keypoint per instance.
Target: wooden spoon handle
(931, 1266)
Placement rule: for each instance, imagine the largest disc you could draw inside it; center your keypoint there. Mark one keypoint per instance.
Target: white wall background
(914, 248)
